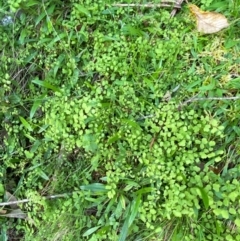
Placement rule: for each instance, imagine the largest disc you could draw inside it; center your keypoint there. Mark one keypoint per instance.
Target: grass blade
(36, 104)
(90, 231)
(204, 197)
(46, 85)
(129, 220)
(25, 123)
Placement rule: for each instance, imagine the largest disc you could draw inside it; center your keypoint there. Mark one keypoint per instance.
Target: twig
(149, 5)
(145, 117)
(174, 11)
(193, 99)
(28, 200)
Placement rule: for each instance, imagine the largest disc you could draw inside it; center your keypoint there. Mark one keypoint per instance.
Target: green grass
(128, 112)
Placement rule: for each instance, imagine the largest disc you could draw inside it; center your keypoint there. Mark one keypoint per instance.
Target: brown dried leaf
(3, 211)
(208, 22)
(11, 198)
(15, 213)
(167, 97)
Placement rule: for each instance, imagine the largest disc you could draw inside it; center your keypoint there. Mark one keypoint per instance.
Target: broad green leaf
(29, 137)
(225, 213)
(232, 211)
(23, 35)
(30, 3)
(58, 65)
(40, 17)
(235, 83)
(134, 209)
(89, 142)
(45, 40)
(15, 99)
(43, 175)
(75, 76)
(110, 205)
(118, 211)
(51, 9)
(56, 39)
(218, 228)
(35, 146)
(177, 213)
(90, 231)
(114, 138)
(177, 235)
(2, 190)
(82, 9)
(233, 195)
(35, 106)
(231, 43)
(216, 187)
(3, 235)
(95, 187)
(33, 167)
(30, 57)
(28, 154)
(110, 11)
(132, 124)
(25, 123)
(129, 220)
(124, 230)
(145, 190)
(96, 201)
(130, 185)
(104, 230)
(123, 201)
(132, 31)
(237, 222)
(49, 25)
(182, 143)
(237, 130)
(43, 128)
(46, 85)
(204, 197)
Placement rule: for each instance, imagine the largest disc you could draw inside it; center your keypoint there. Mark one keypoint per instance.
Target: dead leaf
(208, 22)
(167, 97)
(3, 211)
(11, 198)
(15, 213)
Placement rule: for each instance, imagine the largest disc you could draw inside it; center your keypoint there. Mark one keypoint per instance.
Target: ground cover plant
(118, 123)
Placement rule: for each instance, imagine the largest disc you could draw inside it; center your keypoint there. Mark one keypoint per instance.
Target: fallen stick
(28, 200)
(174, 11)
(149, 5)
(207, 98)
